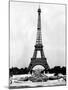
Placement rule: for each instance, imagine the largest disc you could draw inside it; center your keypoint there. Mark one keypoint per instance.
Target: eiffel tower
(38, 47)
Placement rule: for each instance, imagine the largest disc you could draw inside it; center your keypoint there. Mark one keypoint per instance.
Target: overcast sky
(23, 29)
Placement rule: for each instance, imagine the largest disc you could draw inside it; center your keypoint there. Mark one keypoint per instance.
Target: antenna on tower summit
(39, 4)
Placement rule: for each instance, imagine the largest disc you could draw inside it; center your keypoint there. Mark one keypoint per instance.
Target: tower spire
(39, 37)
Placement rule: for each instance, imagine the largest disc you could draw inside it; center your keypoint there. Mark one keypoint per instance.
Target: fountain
(37, 76)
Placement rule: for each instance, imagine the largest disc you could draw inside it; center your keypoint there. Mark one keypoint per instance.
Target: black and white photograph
(37, 44)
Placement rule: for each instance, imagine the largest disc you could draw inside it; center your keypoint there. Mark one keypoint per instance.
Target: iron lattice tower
(38, 47)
